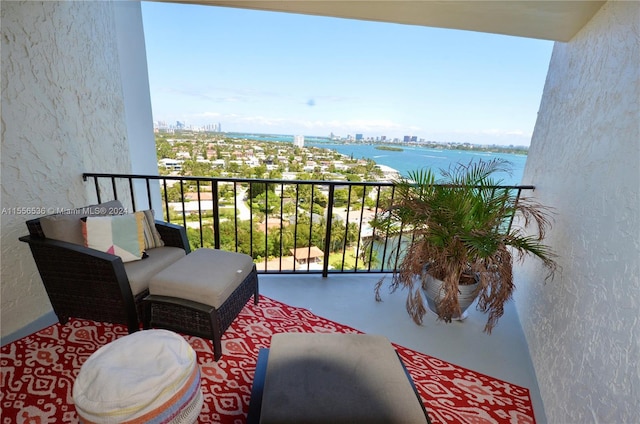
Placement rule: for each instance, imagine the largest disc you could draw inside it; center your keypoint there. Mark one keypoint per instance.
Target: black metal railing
(284, 225)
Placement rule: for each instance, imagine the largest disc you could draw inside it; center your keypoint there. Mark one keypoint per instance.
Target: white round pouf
(150, 376)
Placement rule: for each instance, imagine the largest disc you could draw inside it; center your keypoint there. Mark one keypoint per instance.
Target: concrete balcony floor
(349, 299)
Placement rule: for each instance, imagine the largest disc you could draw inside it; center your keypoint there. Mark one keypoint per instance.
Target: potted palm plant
(459, 230)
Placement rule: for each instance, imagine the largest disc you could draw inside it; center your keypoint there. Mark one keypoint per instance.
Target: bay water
(411, 158)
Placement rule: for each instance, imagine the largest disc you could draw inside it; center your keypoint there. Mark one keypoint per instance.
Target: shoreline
(440, 146)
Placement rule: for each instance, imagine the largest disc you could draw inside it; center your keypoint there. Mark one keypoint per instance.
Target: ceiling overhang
(543, 19)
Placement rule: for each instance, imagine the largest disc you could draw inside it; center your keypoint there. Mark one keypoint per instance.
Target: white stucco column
(137, 101)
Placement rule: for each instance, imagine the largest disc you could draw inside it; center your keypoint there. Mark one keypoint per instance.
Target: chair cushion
(207, 276)
(140, 272)
(120, 235)
(148, 376)
(68, 227)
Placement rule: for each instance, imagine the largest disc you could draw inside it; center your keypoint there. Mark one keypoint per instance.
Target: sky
(277, 73)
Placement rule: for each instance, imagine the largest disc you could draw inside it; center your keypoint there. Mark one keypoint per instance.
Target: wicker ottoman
(201, 294)
(147, 376)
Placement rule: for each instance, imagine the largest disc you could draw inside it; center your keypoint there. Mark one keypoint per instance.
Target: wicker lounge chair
(86, 283)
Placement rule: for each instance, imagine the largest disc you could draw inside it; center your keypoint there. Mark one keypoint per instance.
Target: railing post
(133, 197)
(235, 211)
(313, 186)
(113, 187)
(295, 226)
(327, 233)
(266, 226)
(216, 215)
(184, 215)
(95, 182)
(200, 214)
(515, 206)
(250, 219)
(166, 199)
(346, 230)
(281, 224)
(386, 237)
(373, 234)
(148, 193)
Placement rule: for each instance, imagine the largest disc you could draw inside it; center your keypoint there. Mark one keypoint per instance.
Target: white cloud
(207, 115)
(494, 132)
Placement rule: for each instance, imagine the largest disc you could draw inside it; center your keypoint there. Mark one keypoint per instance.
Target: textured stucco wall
(62, 115)
(583, 329)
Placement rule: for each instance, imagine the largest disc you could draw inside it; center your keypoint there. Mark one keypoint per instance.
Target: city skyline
(294, 74)
(161, 126)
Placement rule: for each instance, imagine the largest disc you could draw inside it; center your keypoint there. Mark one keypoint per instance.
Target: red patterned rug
(38, 371)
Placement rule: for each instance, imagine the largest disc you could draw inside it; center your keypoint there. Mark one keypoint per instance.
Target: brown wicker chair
(86, 283)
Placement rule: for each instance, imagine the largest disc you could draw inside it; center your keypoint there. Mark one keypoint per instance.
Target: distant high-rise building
(359, 137)
(414, 138)
(161, 125)
(383, 137)
(406, 138)
(298, 140)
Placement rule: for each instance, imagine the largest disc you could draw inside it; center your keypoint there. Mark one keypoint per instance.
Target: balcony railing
(284, 225)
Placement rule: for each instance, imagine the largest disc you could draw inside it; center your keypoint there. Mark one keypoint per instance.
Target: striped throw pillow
(152, 237)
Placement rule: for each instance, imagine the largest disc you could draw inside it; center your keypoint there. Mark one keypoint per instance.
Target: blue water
(411, 158)
(414, 158)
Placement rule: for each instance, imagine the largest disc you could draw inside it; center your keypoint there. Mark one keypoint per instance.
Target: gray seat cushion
(140, 272)
(337, 378)
(207, 276)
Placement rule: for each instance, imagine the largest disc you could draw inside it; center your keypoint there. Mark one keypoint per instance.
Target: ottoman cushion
(149, 376)
(206, 276)
(141, 272)
(337, 378)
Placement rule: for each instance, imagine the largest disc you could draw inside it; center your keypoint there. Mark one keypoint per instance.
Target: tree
(275, 174)
(195, 168)
(266, 202)
(249, 239)
(174, 193)
(340, 197)
(164, 149)
(256, 189)
(369, 256)
(233, 168)
(357, 193)
(259, 171)
(342, 236)
(289, 208)
(320, 199)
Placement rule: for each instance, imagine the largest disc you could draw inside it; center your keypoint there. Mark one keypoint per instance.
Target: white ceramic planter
(432, 288)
